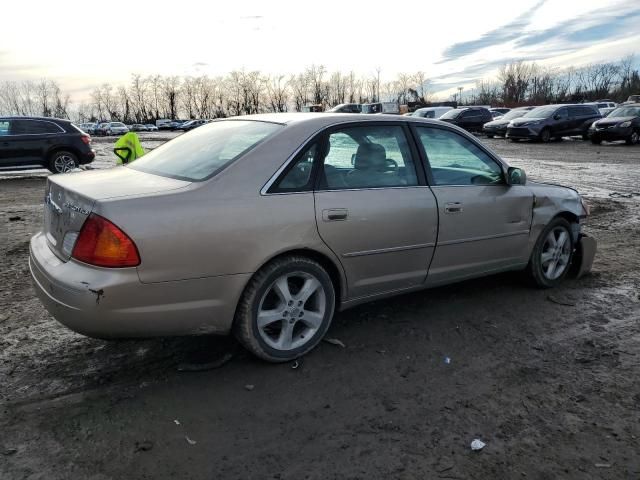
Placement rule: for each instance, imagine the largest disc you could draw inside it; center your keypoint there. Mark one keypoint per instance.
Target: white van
(381, 107)
(431, 112)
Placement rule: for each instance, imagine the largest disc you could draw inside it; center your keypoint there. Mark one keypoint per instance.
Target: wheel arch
(61, 148)
(335, 271)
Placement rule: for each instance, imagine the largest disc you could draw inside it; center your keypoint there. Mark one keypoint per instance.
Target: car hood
(614, 120)
(497, 123)
(522, 120)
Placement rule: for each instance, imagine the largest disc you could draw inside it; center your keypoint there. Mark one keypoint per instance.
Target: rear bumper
(87, 157)
(113, 303)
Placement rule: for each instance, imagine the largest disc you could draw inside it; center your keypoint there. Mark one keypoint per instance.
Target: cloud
(602, 24)
(505, 33)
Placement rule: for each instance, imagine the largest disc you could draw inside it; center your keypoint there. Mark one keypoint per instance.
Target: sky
(82, 44)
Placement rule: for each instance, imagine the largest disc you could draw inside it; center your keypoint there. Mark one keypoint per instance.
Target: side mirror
(516, 176)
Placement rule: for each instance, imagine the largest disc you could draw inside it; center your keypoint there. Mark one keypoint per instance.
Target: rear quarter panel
(222, 226)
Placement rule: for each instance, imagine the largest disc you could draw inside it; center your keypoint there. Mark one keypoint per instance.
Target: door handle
(453, 207)
(335, 214)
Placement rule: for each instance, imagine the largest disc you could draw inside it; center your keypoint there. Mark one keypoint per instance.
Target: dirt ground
(547, 379)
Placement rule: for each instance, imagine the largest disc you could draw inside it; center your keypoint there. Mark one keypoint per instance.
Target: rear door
(484, 223)
(373, 208)
(34, 138)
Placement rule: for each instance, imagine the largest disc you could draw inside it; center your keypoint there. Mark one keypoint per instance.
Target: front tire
(552, 254)
(633, 139)
(62, 162)
(545, 135)
(285, 309)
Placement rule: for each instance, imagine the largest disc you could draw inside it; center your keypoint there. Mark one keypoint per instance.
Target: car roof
(324, 119)
(50, 119)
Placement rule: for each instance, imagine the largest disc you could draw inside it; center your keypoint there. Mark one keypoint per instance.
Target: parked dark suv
(621, 124)
(34, 142)
(470, 118)
(553, 122)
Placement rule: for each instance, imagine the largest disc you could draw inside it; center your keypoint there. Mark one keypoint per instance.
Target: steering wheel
(392, 165)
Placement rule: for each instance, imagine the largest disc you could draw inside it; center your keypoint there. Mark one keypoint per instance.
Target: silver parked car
(266, 225)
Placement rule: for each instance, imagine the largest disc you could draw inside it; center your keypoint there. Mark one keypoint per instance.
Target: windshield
(204, 151)
(625, 112)
(511, 114)
(452, 113)
(541, 112)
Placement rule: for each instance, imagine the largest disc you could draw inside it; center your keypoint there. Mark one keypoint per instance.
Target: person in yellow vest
(128, 148)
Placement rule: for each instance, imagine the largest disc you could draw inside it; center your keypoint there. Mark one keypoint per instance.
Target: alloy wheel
(291, 311)
(64, 163)
(556, 253)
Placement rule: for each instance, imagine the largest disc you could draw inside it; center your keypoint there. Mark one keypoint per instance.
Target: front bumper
(522, 132)
(113, 303)
(500, 131)
(611, 133)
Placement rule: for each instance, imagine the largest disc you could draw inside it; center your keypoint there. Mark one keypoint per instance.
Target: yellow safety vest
(128, 148)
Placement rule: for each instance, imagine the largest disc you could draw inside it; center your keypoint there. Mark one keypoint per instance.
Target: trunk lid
(70, 198)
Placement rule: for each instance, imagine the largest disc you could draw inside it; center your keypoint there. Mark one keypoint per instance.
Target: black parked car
(499, 127)
(34, 142)
(191, 124)
(346, 108)
(621, 124)
(470, 118)
(553, 122)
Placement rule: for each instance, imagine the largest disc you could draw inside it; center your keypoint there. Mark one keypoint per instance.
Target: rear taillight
(103, 244)
(86, 139)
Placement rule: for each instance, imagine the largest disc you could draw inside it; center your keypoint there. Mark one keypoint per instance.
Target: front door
(374, 210)
(484, 223)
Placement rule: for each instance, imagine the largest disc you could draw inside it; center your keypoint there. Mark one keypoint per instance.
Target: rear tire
(62, 161)
(515, 140)
(285, 310)
(552, 254)
(489, 136)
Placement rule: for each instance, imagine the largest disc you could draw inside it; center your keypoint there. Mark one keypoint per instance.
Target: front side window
(203, 152)
(562, 114)
(456, 160)
(368, 157)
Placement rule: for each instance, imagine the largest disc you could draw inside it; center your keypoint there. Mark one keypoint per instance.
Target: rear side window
(34, 127)
(298, 178)
(203, 152)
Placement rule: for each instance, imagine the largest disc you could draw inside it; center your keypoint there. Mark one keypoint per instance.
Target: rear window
(203, 152)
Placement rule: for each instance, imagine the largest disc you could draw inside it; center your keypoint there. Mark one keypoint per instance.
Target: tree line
(148, 98)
